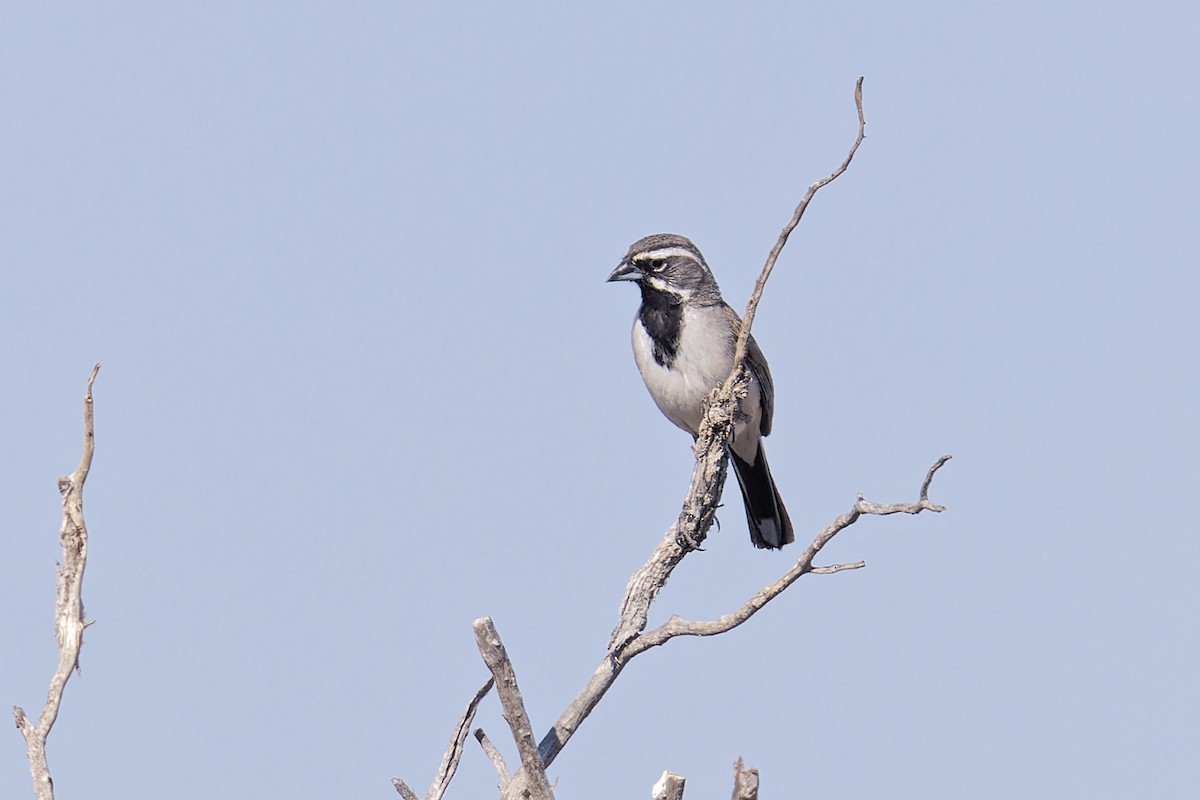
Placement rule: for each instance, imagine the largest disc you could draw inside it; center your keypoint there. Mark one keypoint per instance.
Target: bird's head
(668, 263)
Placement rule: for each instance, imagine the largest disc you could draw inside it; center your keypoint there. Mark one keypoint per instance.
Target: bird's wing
(757, 363)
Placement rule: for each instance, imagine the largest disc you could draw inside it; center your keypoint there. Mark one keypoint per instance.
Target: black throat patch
(661, 315)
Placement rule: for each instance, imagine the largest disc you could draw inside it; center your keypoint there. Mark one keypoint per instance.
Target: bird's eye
(656, 264)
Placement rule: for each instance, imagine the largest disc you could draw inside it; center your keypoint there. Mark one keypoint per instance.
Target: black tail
(768, 519)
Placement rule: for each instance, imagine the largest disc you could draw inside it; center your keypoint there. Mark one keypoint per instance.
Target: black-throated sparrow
(684, 336)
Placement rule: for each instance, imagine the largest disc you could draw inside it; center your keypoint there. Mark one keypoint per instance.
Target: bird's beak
(626, 271)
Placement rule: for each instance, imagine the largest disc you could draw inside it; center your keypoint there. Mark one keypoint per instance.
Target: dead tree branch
(745, 784)
(615, 661)
(495, 757)
(68, 608)
(496, 658)
(669, 787)
(745, 781)
(676, 626)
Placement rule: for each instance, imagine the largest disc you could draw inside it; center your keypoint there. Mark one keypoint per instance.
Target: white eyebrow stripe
(667, 252)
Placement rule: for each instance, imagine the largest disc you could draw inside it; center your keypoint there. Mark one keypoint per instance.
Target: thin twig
(69, 620)
(752, 306)
(929, 476)
(832, 568)
(404, 789)
(454, 750)
(495, 756)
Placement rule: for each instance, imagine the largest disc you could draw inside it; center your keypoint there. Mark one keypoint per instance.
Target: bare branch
(494, 655)
(676, 626)
(615, 661)
(837, 568)
(591, 694)
(405, 791)
(495, 757)
(669, 787)
(745, 782)
(686, 535)
(883, 509)
(68, 613)
(696, 517)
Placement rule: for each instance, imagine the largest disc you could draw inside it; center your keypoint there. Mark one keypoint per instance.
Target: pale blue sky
(363, 382)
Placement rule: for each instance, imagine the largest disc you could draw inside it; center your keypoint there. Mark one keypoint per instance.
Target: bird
(684, 337)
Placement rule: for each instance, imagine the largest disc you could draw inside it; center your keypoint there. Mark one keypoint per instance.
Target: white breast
(702, 362)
